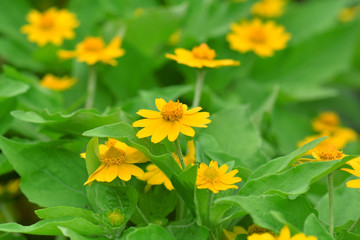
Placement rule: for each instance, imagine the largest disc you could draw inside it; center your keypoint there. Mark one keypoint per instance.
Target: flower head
(268, 8)
(262, 38)
(349, 14)
(117, 160)
(115, 218)
(326, 122)
(355, 164)
(199, 57)
(216, 179)
(154, 176)
(56, 83)
(51, 26)
(284, 235)
(172, 118)
(93, 50)
(326, 151)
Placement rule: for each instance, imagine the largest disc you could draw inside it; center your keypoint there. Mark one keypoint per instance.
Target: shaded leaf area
(59, 180)
(186, 230)
(151, 232)
(5, 166)
(293, 211)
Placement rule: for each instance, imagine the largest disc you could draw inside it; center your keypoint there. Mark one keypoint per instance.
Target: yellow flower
(236, 231)
(349, 14)
(284, 235)
(93, 50)
(326, 151)
(117, 160)
(355, 164)
(342, 136)
(154, 176)
(200, 56)
(56, 83)
(174, 37)
(262, 38)
(268, 8)
(115, 218)
(326, 122)
(216, 179)
(172, 118)
(51, 26)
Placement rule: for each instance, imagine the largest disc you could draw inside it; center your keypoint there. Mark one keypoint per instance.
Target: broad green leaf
(314, 227)
(5, 166)
(60, 174)
(11, 88)
(294, 211)
(345, 235)
(187, 230)
(73, 235)
(12, 236)
(151, 232)
(92, 155)
(6, 106)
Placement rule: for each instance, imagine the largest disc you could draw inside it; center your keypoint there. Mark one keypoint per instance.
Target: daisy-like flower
(51, 26)
(326, 122)
(199, 57)
(355, 164)
(268, 8)
(154, 176)
(326, 151)
(93, 50)
(284, 235)
(58, 84)
(172, 118)
(117, 160)
(216, 179)
(262, 38)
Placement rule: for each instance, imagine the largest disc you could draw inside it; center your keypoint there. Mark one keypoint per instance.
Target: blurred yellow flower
(117, 160)
(93, 50)
(262, 38)
(236, 231)
(154, 176)
(284, 235)
(342, 136)
(58, 84)
(269, 8)
(326, 151)
(216, 179)
(326, 122)
(175, 37)
(51, 26)
(349, 14)
(355, 164)
(172, 118)
(199, 57)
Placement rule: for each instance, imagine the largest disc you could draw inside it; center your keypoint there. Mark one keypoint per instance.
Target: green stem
(138, 210)
(91, 87)
(179, 153)
(200, 77)
(210, 200)
(331, 203)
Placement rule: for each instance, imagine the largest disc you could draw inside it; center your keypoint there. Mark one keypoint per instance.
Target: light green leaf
(92, 155)
(10, 88)
(73, 235)
(314, 227)
(151, 232)
(185, 230)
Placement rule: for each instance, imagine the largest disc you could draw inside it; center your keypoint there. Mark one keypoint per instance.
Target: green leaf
(185, 230)
(345, 235)
(59, 173)
(92, 155)
(151, 232)
(5, 166)
(6, 106)
(12, 236)
(293, 211)
(10, 88)
(314, 227)
(76, 236)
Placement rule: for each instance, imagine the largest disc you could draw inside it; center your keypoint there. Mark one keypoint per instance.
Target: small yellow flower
(200, 56)
(58, 84)
(216, 179)
(326, 122)
(326, 151)
(284, 235)
(115, 218)
(349, 14)
(117, 160)
(262, 38)
(172, 118)
(355, 164)
(51, 26)
(154, 176)
(236, 231)
(93, 50)
(268, 8)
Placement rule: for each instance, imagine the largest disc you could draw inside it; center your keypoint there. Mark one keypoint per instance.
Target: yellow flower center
(257, 36)
(211, 174)
(46, 21)
(172, 111)
(115, 218)
(329, 155)
(113, 156)
(93, 44)
(204, 52)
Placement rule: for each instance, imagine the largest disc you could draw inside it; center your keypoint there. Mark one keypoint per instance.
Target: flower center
(113, 156)
(257, 36)
(94, 44)
(211, 174)
(172, 111)
(46, 21)
(329, 155)
(204, 52)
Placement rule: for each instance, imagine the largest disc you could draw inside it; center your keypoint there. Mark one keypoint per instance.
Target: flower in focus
(262, 38)
(172, 118)
(284, 235)
(236, 231)
(216, 179)
(268, 8)
(58, 84)
(93, 50)
(199, 57)
(154, 176)
(117, 160)
(349, 14)
(326, 151)
(51, 26)
(355, 164)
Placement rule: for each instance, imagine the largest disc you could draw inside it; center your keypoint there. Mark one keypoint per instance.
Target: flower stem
(179, 153)
(200, 77)
(331, 203)
(91, 88)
